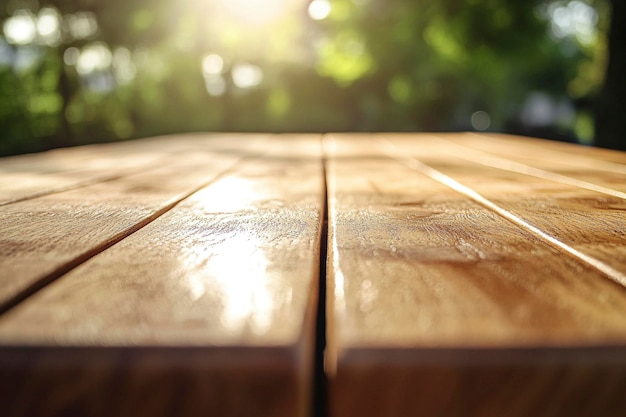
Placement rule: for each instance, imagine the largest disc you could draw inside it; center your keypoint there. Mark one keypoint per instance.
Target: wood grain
(440, 306)
(178, 276)
(593, 224)
(547, 147)
(30, 176)
(208, 310)
(545, 160)
(47, 236)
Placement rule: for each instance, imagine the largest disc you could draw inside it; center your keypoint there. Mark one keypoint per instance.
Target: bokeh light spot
(319, 9)
(481, 120)
(247, 75)
(212, 64)
(94, 57)
(82, 25)
(573, 18)
(71, 55)
(48, 26)
(20, 28)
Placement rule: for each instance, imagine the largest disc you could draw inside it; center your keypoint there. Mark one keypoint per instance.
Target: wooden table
(354, 274)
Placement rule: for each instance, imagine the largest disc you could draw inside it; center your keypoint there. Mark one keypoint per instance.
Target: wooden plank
(42, 238)
(592, 229)
(208, 310)
(30, 176)
(563, 148)
(540, 158)
(440, 306)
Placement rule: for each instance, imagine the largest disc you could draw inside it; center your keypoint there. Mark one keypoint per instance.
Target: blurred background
(85, 71)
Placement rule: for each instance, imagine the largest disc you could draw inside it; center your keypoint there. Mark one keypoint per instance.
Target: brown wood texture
(45, 237)
(591, 168)
(467, 275)
(30, 176)
(456, 288)
(587, 223)
(209, 309)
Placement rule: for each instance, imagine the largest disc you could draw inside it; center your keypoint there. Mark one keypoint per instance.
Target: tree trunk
(611, 106)
(66, 92)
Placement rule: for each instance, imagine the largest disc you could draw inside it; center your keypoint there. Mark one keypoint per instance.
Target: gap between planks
(156, 163)
(604, 161)
(90, 253)
(392, 151)
(493, 161)
(320, 378)
(316, 354)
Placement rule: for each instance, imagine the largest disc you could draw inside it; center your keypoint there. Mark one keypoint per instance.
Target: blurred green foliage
(84, 71)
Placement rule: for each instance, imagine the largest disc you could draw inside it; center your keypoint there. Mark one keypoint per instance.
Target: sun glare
(256, 12)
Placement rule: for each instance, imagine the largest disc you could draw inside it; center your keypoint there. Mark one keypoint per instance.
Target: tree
(611, 104)
(352, 65)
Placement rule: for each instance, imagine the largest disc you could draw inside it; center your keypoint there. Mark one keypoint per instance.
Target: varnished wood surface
(467, 275)
(47, 236)
(31, 176)
(456, 288)
(207, 308)
(538, 200)
(590, 168)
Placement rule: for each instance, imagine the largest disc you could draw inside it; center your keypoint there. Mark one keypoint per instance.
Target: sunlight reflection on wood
(210, 306)
(228, 195)
(239, 268)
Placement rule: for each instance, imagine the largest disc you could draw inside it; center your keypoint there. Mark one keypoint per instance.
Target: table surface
(461, 274)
